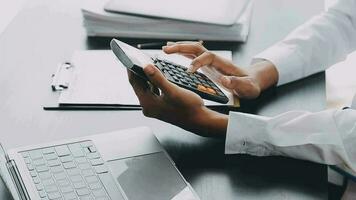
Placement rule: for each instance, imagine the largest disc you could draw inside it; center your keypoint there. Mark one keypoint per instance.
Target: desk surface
(48, 32)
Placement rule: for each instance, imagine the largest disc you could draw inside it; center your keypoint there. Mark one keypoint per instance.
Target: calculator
(134, 59)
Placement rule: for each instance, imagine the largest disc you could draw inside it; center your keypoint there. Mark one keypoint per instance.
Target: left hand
(176, 105)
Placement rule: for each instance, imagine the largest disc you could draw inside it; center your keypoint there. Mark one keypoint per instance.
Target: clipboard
(94, 80)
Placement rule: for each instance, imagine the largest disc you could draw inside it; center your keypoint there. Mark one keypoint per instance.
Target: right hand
(243, 83)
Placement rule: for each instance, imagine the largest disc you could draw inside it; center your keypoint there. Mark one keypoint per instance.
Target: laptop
(221, 12)
(121, 165)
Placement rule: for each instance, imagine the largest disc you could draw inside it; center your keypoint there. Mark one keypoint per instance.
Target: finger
(223, 65)
(204, 59)
(158, 80)
(140, 86)
(193, 48)
(142, 90)
(190, 56)
(226, 67)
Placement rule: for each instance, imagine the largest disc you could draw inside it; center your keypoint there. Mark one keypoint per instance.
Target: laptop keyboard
(68, 172)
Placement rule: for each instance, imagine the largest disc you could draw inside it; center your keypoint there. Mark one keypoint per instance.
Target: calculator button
(184, 81)
(211, 91)
(219, 93)
(188, 79)
(210, 83)
(202, 88)
(179, 75)
(216, 88)
(196, 81)
(194, 85)
(165, 61)
(197, 75)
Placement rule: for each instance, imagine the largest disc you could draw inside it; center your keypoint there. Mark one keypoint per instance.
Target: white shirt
(326, 137)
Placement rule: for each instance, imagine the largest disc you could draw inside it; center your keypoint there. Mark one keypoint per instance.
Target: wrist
(210, 123)
(264, 73)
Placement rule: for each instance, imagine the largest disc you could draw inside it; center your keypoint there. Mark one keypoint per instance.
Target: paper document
(98, 22)
(99, 78)
(222, 12)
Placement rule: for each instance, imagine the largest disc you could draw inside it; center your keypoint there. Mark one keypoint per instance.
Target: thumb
(226, 81)
(241, 86)
(157, 79)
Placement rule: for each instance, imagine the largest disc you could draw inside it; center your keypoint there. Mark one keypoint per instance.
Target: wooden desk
(48, 32)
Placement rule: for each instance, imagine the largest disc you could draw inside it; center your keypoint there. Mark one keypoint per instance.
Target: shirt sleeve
(317, 44)
(325, 137)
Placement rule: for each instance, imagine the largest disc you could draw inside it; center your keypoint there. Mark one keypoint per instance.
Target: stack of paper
(99, 22)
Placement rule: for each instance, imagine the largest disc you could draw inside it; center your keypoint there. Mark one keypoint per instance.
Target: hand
(245, 83)
(176, 105)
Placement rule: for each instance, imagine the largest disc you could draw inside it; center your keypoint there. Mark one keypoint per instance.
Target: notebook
(99, 79)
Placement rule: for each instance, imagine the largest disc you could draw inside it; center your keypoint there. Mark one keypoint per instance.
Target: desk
(47, 32)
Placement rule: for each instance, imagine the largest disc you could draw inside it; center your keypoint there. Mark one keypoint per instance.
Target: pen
(151, 45)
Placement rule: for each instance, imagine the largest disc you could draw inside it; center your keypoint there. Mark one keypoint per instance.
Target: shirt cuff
(287, 60)
(242, 130)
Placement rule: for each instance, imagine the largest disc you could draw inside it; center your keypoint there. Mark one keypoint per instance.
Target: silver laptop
(121, 165)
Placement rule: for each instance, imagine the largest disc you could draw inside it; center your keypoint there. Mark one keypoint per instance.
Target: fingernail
(149, 70)
(190, 69)
(225, 80)
(170, 43)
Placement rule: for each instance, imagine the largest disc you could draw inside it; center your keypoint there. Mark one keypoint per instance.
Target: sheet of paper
(100, 78)
(98, 22)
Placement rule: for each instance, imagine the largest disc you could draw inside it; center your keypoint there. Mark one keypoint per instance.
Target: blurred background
(8, 10)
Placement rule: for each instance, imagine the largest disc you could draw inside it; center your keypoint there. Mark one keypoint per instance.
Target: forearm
(206, 123)
(215, 124)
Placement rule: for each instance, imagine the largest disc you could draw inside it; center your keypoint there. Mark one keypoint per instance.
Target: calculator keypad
(193, 81)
